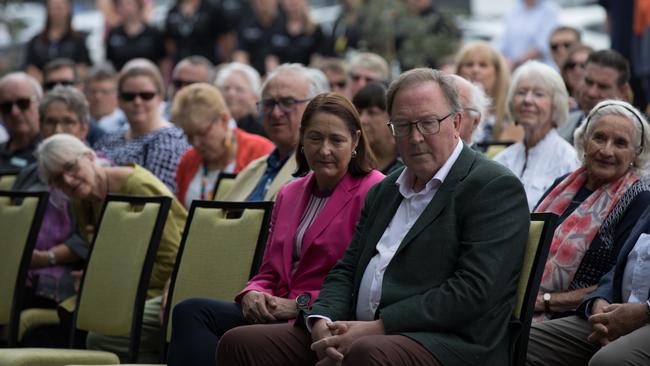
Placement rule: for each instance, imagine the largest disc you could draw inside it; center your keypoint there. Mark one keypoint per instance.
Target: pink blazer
(324, 241)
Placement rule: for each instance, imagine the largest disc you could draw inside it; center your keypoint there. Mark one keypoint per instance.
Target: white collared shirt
(551, 158)
(409, 210)
(636, 276)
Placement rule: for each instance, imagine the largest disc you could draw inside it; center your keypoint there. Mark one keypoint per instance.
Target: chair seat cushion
(55, 357)
(35, 317)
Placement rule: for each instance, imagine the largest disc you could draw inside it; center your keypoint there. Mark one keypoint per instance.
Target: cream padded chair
(114, 284)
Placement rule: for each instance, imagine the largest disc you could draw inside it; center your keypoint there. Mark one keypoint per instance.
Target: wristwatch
(547, 301)
(51, 258)
(302, 301)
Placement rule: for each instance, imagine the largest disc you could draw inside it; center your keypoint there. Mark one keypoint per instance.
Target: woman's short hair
(140, 69)
(56, 151)
(371, 95)
(625, 110)
(339, 106)
(197, 102)
(546, 77)
(73, 99)
(250, 74)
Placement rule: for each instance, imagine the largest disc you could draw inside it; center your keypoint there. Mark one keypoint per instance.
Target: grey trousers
(149, 337)
(564, 342)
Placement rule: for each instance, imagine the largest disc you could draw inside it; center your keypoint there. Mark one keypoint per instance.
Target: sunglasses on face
(573, 64)
(338, 84)
(286, 105)
(53, 83)
(357, 77)
(129, 96)
(556, 45)
(22, 103)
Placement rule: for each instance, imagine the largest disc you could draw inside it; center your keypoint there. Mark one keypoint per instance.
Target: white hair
(250, 74)
(23, 76)
(315, 84)
(56, 151)
(618, 108)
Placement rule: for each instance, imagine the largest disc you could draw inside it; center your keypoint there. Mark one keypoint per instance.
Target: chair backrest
(21, 215)
(7, 181)
(224, 185)
(492, 148)
(540, 235)
(222, 248)
(114, 283)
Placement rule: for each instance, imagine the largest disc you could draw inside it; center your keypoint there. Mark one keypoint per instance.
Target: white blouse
(551, 158)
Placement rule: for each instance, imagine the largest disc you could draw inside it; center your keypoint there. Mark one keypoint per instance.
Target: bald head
(19, 97)
(475, 104)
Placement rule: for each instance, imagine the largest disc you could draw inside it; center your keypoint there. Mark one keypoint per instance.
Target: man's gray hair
(315, 84)
(73, 99)
(419, 76)
(549, 79)
(19, 75)
(250, 74)
(371, 61)
(196, 60)
(623, 109)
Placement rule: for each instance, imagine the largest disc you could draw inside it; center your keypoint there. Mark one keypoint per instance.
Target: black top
(252, 124)
(120, 47)
(298, 48)
(73, 46)
(197, 34)
(344, 36)
(14, 161)
(256, 40)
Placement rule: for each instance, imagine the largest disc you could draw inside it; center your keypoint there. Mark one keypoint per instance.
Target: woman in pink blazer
(312, 224)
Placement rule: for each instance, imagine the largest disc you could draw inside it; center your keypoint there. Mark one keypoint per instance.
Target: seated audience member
(598, 205)
(240, 86)
(151, 142)
(562, 39)
(337, 74)
(101, 92)
(573, 69)
(370, 101)
(217, 146)
(606, 76)
(431, 273)
(62, 71)
(60, 249)
(133, 37)
(611, 325)
(285, 93)
(190, 70)
(481, 63)
(72, 167)
(313, 221)
(366, 67)
(19, 97)
(538, 101)
(475, 104)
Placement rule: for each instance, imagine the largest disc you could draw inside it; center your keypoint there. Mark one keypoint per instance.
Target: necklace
(204, 185)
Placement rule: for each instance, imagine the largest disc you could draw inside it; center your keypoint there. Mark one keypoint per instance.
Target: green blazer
(451, 284)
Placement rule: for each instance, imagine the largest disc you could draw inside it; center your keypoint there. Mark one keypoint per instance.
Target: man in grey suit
(431, 273)
(613, 322)
(606, 76)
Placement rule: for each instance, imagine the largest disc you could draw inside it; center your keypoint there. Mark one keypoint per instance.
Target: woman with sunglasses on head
(218, 146)
(312, 224)
(598, 204)
(151, 142)
(73, 168)
(538, 102)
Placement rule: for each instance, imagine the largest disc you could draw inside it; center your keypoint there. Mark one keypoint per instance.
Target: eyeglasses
(192, 138)
(573, 64)
(67, 124)
(357, 77)
(556, 45)
(70, 168)
(429, 126)
(49, 85)
(338, 84)
(22, 103)
(129, 96)
(286, 104)
(180, 84)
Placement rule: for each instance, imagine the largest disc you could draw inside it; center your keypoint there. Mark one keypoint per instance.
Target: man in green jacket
(430, 276)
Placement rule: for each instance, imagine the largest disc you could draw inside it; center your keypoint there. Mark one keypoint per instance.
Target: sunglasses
(572, 65)
(556, 46)
(338, 84)
(357, 77)
(22, 103)
(129, 96)
(286, 104)
(180, 84)
(52, 84)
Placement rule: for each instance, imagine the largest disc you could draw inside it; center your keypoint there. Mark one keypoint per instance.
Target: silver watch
(51, 258)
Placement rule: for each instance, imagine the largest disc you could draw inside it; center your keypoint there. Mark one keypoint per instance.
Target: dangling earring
(354, 154)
